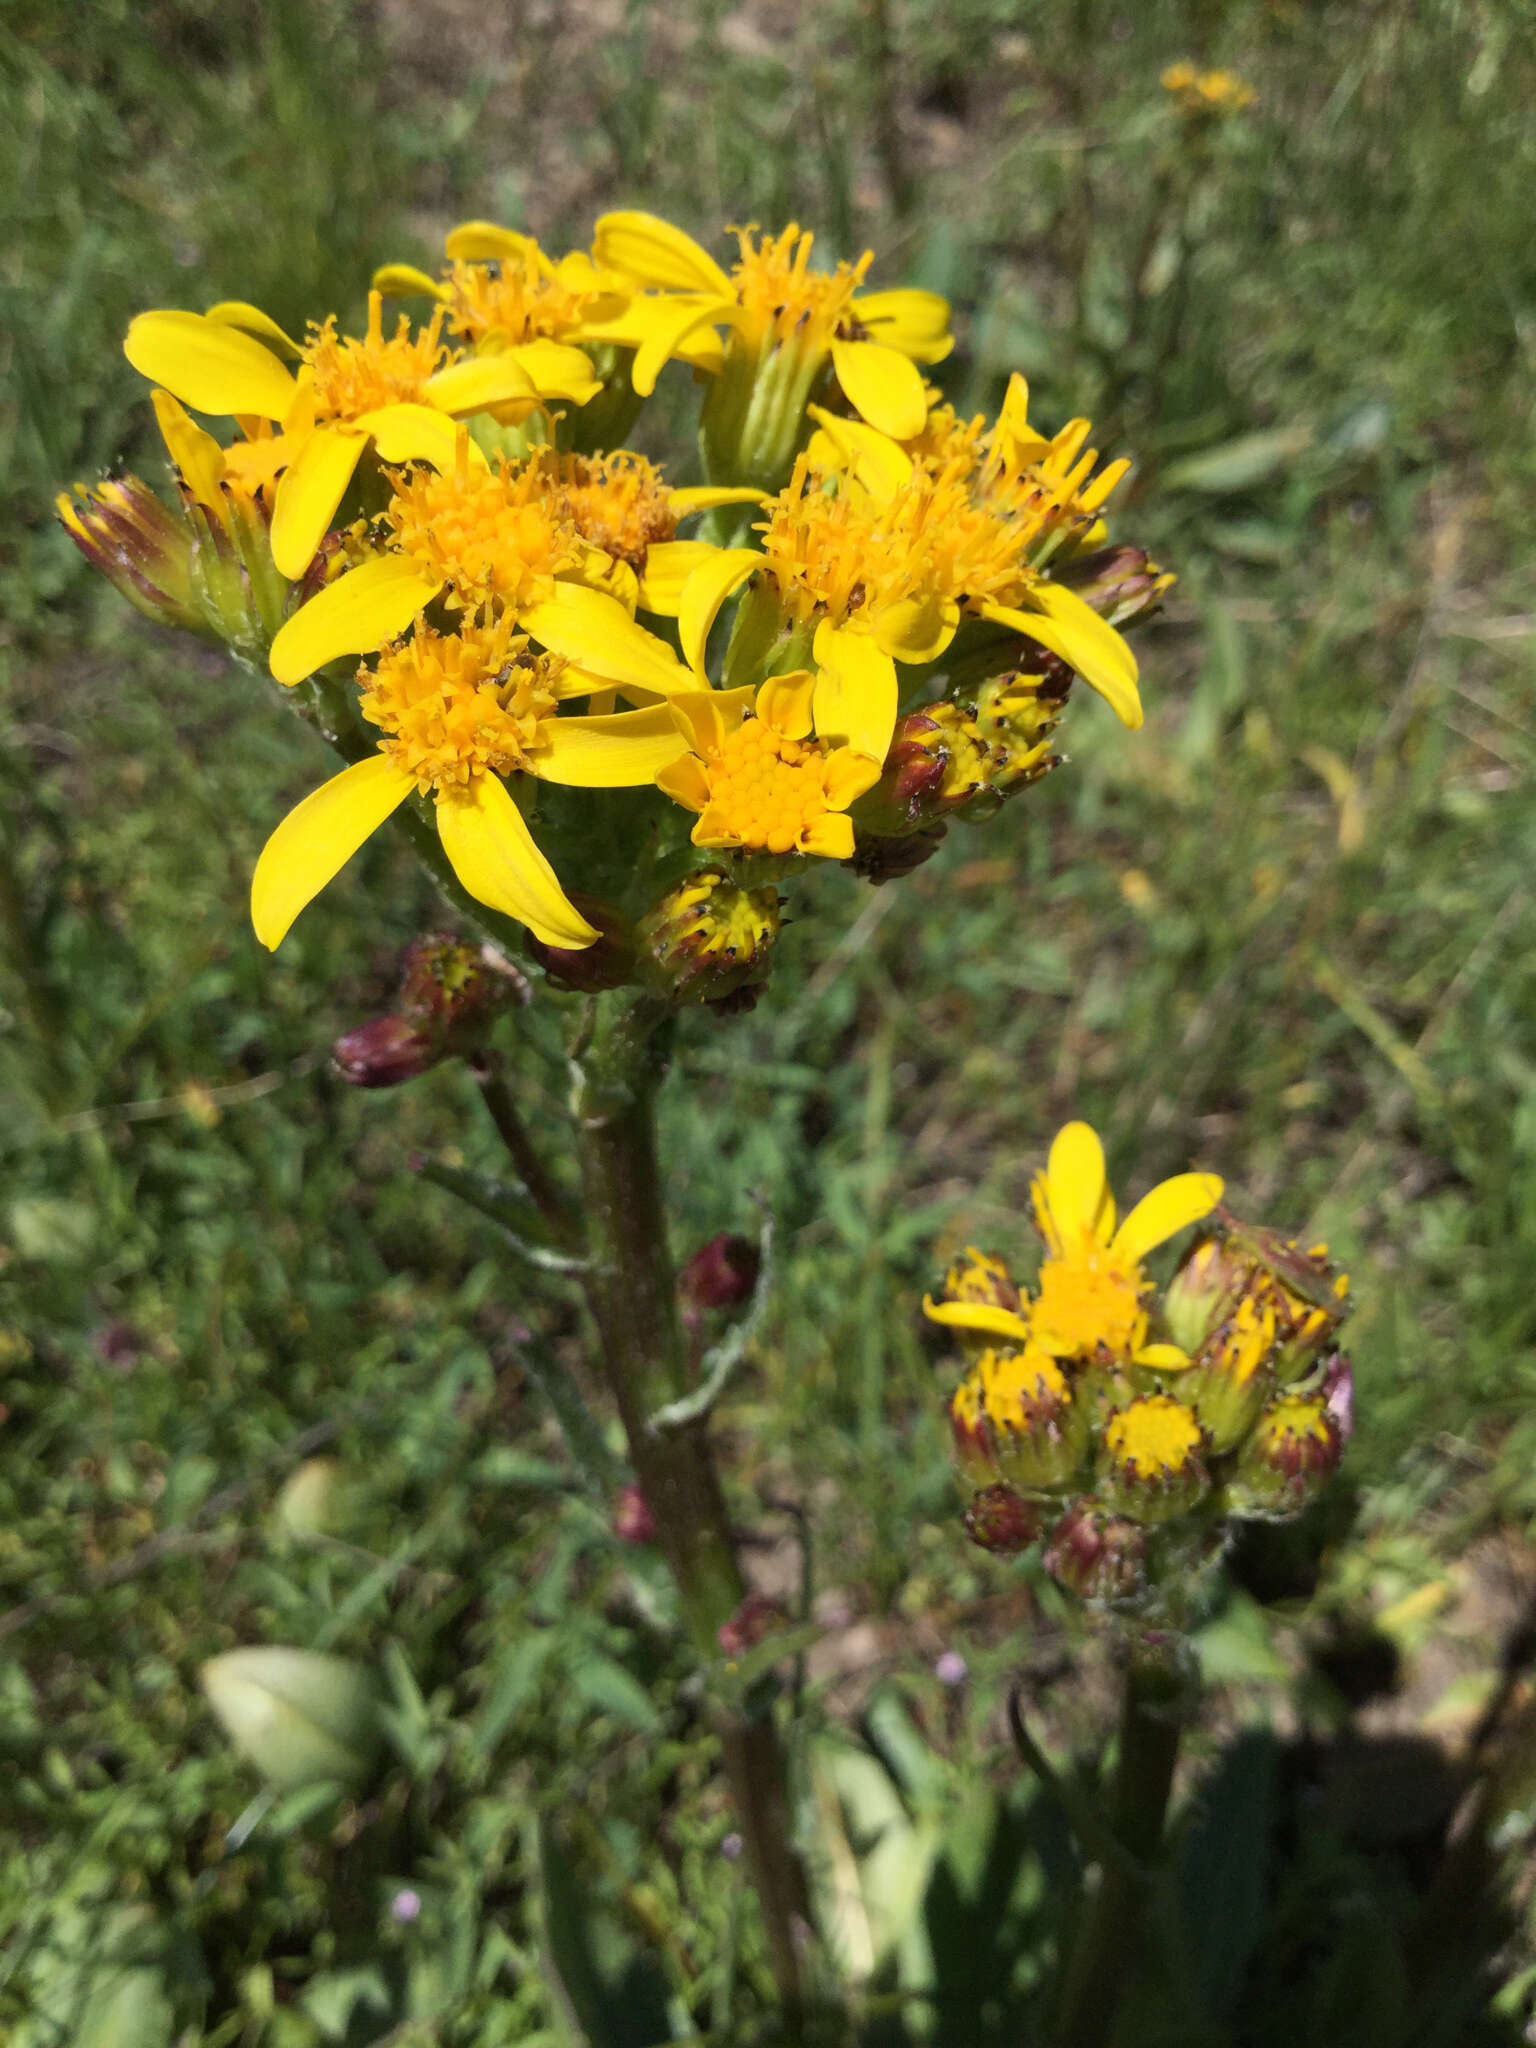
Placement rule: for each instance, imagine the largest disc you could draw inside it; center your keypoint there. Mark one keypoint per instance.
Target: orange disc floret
(453, 705)
(618, 502)
(351, 377)
(493, 537)
(516, 301)
(768, 790)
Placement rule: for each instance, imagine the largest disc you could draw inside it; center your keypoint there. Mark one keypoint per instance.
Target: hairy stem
(633, 1295)
(1152, 1713)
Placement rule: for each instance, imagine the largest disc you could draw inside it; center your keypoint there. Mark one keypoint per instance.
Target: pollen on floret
(787, 300)
(516, 300)
(1090, 1297)
(493, 536)
(453, 705)
(619, 502)
(353, 376)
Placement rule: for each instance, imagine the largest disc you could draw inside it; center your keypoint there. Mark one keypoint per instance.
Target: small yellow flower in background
(402, 392)
(460, 713)
(757, 778)
(1207, 92)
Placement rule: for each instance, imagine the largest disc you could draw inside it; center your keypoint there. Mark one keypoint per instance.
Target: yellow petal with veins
(1068, 627)
(597, 633)
(663, 331)
(1075, 1181)
(353, 615)
(317, 839)
(705, 592)
(405, 281)
(855, 690)
(618, 751)
(880, 464)
(196, 454)
(557, 370)
(419, 433)
(916, 322)
(311, 488)
(976, 1315)
(883, 386)
(651, 250)
(487, 840)
(251, 320)
(668, 566)
(481, 381)
(208, 365)
(1166, 1210)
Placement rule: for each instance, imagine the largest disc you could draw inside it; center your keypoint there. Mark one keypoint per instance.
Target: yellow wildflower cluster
(1202, 93)
(430, 529)
(1108, 1415)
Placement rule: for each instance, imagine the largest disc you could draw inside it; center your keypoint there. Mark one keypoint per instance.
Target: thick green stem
(633, 1294)
(1152, 1714)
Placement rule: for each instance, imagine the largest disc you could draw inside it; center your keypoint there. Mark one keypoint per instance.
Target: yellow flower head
(1091, 1300)
(757, 778)
(454, 705)
(351, 376)
(1015, 1416)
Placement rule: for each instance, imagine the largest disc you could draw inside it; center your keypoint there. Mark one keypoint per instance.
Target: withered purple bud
(633, 1521)
(755, 1619)
(1120, 583)
(721, 1274)
(1001, 1520)
(386, 1051)
(1096, 1554)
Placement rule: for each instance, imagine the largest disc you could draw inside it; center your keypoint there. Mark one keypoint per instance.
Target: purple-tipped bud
(1293, 1452)
(1096, 1554)
(1001, 1520)
(1120, 583)
(721, 1274)
(145, 551)
(1015, 1418)
(633, 1521)
(385, 1051)
(755, 1619)
(608, 963)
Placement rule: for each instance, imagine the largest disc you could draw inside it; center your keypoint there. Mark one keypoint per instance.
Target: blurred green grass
(1287, 930)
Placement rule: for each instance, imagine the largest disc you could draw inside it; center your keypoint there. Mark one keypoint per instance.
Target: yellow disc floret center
(767, 789)
(493, 537)
(1017, 1386)
(784, 299)
(1090, 1296)
(512, 301)
(1155, 1435)
(453, 705)
(617, 502)
(351, 377)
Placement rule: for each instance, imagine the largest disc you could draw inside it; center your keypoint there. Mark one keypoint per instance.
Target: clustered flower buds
(447, 995)
(1125, 1424)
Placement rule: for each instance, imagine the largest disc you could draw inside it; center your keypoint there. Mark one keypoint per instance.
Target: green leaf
(1222, 1868)
(1237, 465)
(610, 1992)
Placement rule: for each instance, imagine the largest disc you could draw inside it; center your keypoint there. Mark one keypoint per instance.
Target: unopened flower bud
(608, 963)
(755, 1619)
(1015, 1418)
(1230, 1378)
(1203, 1293)
(721, 1274)
(1310, 1297)
(978, 1276)
(385, 1051)
(1152, 1467)
(1293, 1451)
(709, 937)
(633, 1521)
(1001, 1520)
(1096, 1554)
(143, 550)
(1119, 583)
(962, 755)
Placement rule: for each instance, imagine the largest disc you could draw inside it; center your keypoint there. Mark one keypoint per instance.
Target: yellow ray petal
(1071, 629)
(1075, 1181)
(830, 835)
(481, 381)
(618, 751)
(251, 320)
(849, 774)
(483, 241)
(705, 497)
(405, 281)
(208, 365)
(1163, 1357)
(786, 702)
(418, 433)
(668, 565)
(917, 629)
(883, 385)
(685, 782)
(977, 1315)
(558, 370)
(317, 839)
(916, 322)
(594, 630)
(196, 454)
(705, 592)
(1166, 1210)
(311, 488)
(855, 690)
(709, 717)
(665, 328)
(880, 464)
(486, 837)
(353, 615)
(643, 246)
